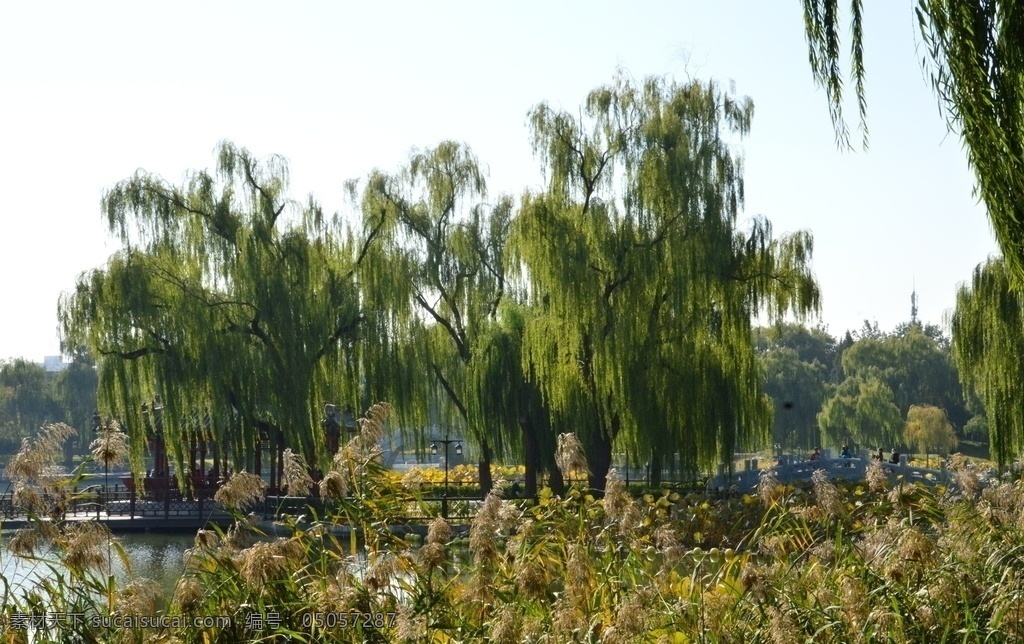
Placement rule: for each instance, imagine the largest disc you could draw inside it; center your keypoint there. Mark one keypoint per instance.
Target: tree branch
(456, 337)
(451, 392)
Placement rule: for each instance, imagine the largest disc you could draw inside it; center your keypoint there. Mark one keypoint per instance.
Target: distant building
(53, 364)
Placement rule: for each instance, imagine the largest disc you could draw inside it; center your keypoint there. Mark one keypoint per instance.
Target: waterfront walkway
(123, 511)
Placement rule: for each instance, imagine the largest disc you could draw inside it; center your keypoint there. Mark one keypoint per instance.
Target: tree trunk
(656, 467)
(257, 462)
(556, 482)
(600, 457)
(531, 454)
(484, 468)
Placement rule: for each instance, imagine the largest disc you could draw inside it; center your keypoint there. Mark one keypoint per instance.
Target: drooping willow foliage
(975, 51)
(445, 246)
(506, 400)
(616, 304)
(643, 285)
(234, 306)
(988, 347)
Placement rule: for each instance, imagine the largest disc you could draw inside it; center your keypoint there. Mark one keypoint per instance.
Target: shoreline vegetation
(836, 562)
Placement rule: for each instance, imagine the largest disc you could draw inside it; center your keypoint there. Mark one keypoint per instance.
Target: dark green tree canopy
(75, 390)
(811, 344)
(27, 402)
(797, 390)
(917, 368)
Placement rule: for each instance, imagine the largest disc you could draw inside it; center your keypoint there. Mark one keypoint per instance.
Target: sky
(92, 92)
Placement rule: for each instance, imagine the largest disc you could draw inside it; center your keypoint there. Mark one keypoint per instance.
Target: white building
(54, 363)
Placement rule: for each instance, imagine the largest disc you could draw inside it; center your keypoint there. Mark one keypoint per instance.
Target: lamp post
(458, 451)
(97, 425)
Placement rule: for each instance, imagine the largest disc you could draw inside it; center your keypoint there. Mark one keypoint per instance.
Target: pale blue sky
(92, 91)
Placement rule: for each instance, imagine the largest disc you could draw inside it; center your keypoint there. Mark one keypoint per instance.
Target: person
(879, 456)
(816, 454)
(846, 452)
(895, 458)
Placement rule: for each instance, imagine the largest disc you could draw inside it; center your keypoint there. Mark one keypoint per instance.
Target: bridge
(790, 469)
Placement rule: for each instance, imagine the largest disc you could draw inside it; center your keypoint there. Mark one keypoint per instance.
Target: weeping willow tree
(506, 400)
(234, 305)
(861, 412)
(988, 348)
(644, 286)
(438, 276)
(975, 51)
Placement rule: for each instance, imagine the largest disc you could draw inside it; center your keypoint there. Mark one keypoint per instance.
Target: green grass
(974, 449)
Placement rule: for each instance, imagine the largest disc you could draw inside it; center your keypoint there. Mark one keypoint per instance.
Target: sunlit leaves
(928, 429)
(988, 347)
(232, 304)
(642, 283)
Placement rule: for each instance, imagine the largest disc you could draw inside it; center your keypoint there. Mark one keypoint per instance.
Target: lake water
(153, 556)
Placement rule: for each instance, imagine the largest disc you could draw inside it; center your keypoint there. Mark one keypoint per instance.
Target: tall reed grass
(876, 561)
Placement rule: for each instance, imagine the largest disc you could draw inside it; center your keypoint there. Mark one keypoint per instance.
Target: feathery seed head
(334, 485)
(439, 531)
(876, 478)
(24, 542)
(240, 491)
(826, 494)
(111, 446)
(295, 478)
(85, 545)
(616, 499)
(570, 456)
(188, 595)
(769, 489)
(139, 597)
(432, 555)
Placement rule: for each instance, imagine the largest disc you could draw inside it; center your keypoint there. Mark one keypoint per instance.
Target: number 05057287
(353, 619)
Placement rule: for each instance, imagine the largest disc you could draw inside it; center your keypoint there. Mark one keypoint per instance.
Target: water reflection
(154, 556)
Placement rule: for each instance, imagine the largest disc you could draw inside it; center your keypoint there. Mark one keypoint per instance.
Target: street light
(97, 424)
(458, 452)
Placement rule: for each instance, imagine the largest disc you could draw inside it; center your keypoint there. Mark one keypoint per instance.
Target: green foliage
(797, 389)
(822, 25)
(917, 368)
(928, 429)
(234, 305)
(27, 402)
(861, 412)
(75, 389)
(643, 287)
(811, 344)
(988, 342)
(505, 400)
(797, 362)
(976, 427)
(434, 282)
